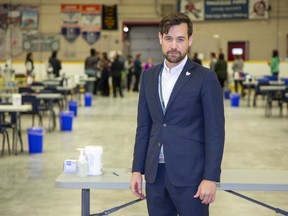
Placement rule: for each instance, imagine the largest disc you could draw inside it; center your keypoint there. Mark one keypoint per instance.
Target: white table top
(49, 96)
(87, 79)
(276, 83)
(65, 88)
(253, 180)
(273, 88)
(13, 108)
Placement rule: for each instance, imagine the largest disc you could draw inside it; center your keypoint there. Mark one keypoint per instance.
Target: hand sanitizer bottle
(82, 164)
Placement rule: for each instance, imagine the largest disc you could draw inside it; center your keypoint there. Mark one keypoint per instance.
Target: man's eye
(168, 39)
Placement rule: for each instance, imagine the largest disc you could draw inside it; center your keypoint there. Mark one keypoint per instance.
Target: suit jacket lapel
(155, 87)
(185, 75)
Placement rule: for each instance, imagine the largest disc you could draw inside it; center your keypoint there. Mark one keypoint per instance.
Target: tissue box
(70, 166)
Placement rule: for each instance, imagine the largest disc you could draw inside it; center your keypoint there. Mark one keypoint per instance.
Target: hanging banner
(91, 23)
(224, 9)
(109, 17)
(258, 9)
(14, 20)
(40, 43)
(71, 17)
(195, 10)
(30, 18)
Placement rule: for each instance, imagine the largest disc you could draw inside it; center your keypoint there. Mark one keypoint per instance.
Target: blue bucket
(235, 99)
(66, 120)
(35, 139)
(227, 93)
(88, 99)
(73, 106)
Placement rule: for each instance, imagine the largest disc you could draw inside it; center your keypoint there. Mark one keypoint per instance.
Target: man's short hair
(175, 19)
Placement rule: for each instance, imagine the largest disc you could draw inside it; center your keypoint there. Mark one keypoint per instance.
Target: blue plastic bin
(88, 99)
(35, 139)
(235, 99)
(66, 120)
(73, 106)
(227, 93)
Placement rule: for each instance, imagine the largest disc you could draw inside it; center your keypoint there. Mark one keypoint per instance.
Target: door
(238, 48)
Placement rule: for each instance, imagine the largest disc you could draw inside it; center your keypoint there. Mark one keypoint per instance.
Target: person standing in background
(274, 64)
(180, 128)
(196, 59)
(213, 61)
(137, 71)
(149, 64)
(105, 73)
(55, 63)
(129, 66)
(116, 71)
(221, 69)
(238, 76)
(29, 65)
(91, 64)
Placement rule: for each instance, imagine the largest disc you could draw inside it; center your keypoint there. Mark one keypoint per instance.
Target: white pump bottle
(82, 164)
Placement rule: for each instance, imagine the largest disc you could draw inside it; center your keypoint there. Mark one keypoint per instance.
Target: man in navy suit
(180, 129)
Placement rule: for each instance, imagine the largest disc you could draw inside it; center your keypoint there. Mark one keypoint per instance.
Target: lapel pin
(188, 73)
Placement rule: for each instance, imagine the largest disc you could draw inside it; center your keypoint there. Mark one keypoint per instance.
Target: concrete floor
(27, 181)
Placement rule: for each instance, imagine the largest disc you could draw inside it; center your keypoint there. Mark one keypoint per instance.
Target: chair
(261, 82)
(3, 131)
(53, 89)
(5, 136)
(25, 90)
(37, 84)
(37, 108)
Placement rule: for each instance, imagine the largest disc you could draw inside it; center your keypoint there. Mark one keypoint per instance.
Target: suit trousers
(165, 199)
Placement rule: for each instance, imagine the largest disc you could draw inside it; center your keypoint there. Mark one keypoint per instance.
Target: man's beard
(174, 56)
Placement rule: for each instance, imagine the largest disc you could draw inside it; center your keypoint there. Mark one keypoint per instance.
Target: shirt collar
(179, 67)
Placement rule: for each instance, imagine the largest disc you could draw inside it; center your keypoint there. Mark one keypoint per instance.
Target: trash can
(227, 93)
(88, 99)
(235, 99)
(35, 139)
(66, 120)
(73, 106)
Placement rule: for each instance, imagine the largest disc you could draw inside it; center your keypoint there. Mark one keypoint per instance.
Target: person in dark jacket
(116, 70)
(221, 69)
(55, 63)
(197, 59)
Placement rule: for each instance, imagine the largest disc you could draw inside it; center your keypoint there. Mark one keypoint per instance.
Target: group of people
(53, 66)
(121, 70)
(220, 66)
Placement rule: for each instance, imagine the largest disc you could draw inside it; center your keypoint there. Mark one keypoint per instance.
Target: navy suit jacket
(191, 130)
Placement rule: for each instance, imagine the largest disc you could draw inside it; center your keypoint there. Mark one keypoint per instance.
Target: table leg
(15, 138)
(249, 93)
(85, 211)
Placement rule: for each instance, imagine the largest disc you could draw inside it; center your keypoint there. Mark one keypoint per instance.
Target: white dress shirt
(169, 78)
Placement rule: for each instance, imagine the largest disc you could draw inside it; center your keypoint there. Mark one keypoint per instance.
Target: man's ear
(190, 40)
(160, 37)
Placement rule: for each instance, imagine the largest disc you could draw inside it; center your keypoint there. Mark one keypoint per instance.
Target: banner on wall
(30, 18)
(40, 43)
(109, 17)
(91, 23)
(14, 20)
(258, 9)
(195, 10)
(224, 9)
(71, 17)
